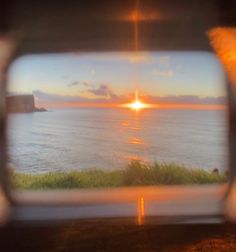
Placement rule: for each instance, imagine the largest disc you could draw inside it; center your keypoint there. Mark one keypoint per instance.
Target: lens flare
(137, 104)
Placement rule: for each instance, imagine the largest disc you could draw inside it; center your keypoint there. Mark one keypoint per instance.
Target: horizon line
(190, 106)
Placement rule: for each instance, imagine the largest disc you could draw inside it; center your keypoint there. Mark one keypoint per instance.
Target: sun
(137, 104)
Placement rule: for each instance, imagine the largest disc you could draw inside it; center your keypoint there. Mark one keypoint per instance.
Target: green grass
(136, 174)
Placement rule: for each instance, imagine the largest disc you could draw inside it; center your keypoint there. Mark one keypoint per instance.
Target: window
(96, 120)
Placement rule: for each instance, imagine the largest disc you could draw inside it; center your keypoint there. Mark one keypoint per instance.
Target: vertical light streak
(136, 26)
(136, 19)
(141, 210)
(136, 95)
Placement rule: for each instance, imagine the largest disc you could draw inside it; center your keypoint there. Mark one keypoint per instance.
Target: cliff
(21, 104)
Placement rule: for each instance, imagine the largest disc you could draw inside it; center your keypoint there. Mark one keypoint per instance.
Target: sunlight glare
(137, 104)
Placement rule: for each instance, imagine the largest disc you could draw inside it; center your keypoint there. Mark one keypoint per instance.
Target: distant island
(22, 104)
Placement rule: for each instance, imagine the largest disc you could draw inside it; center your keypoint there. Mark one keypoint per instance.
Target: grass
(136, 174)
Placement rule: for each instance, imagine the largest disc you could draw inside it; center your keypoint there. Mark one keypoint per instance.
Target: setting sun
(137, 104)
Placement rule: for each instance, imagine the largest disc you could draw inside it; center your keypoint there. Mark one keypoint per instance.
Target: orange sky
(116, 105)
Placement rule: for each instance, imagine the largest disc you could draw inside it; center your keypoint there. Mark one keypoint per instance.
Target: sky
(112, 77)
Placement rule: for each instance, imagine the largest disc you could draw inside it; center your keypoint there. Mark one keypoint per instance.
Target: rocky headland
(22, 104)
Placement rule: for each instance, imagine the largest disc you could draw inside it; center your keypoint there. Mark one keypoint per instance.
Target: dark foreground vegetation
(97, 236)
(136, 174)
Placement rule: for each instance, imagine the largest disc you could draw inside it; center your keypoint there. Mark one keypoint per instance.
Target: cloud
(164, 67)
(43, 97)
(139, 57)
(131, 57)
(163, 73)
(102, 90)
(142, 57)
(76, 83)
(187, 99)
(50, 97)
(84, 83)
(73, 83)
(164, 60)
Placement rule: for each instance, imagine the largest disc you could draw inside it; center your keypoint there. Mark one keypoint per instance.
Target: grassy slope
(136, 174)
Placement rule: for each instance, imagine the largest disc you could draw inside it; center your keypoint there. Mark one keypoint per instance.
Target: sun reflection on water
(132, 128)
(135, 141)
(125, 123)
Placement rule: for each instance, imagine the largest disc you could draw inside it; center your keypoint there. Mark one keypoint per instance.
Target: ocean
(109, 138)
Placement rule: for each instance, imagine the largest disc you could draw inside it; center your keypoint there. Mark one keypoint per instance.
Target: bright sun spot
(137, 104)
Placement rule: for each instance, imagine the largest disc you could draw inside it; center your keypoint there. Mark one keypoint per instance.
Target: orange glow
(125, 123)
(140, 210)
(136, 141)
(223, 41)
(135, 19)
(190, 106)
(135, 16)
(129, 105)
(137, 104)
(76, 104)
